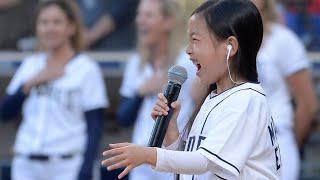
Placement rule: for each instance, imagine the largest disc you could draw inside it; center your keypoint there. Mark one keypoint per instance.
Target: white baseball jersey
(235, 131)
(53, 113)
(133, 78)
(281, 55)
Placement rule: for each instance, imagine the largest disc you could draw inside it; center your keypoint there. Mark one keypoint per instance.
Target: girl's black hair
(241, 19)
(238, 18)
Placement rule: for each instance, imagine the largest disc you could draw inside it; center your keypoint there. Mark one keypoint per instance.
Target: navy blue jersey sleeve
(94, 131)
(128, 110)
(11, 105)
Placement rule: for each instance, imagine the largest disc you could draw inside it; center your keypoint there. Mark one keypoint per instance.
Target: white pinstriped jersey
(280, 56)
(235, 131)
(53, 113)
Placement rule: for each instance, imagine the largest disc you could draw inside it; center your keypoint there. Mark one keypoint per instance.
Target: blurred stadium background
(17, 41)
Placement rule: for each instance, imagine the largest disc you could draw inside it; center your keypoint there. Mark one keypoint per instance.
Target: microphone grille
(177, 74)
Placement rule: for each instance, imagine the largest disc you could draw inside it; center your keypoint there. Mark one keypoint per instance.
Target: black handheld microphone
(177, 75)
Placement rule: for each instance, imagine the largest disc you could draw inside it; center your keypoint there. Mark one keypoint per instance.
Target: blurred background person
(109, 23)
(13, 27)
(62, 96)
(146, 75)
(283, 68)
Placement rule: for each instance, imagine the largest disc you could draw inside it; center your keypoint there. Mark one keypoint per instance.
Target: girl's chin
(204, 81)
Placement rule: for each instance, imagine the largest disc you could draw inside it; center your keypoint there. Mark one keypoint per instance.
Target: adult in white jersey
(231, 135)
(283, 68)
(62, 96)
(146, 75)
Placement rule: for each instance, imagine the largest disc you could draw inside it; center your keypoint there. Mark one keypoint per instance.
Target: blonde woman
(146, 74)
(283, 68)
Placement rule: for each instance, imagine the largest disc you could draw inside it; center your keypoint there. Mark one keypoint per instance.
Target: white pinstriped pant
(290, 158)
(56, 169)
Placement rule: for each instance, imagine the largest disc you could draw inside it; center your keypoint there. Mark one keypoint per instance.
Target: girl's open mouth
(198, 67)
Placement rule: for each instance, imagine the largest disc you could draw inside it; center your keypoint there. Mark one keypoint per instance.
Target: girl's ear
(232, 45)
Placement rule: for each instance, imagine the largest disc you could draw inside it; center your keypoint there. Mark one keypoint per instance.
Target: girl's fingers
(154, 114)
(162, 105)
(162, 98)
(111, 152)
(113, 160)
(125, 172)
(175, 104)
(160, 110)
(117, 165)
(119, 145)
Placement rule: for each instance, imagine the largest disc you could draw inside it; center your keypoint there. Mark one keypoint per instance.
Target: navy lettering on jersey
(192, 140)
(272, 132)
(190, 143)
(273, 137)
(64, 97)
(200, 139)
(278, 160)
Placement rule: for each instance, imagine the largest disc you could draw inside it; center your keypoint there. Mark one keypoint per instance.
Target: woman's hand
(153, 85)
(161, 109)
(46, 75)
(129, 156)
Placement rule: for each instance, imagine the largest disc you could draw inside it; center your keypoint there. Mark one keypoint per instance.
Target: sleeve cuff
(297, 67)
(20, 91)
(161, 160)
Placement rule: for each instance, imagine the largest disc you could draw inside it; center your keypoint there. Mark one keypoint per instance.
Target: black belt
(42, 157)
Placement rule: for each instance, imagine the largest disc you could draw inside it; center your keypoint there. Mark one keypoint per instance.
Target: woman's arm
(128, 110)
(46, 75)
(94, 131)
(121, 13)
(11, 105)
(304, 96)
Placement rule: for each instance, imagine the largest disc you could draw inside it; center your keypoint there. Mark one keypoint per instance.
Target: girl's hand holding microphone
(161, 109)
(129, 156)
